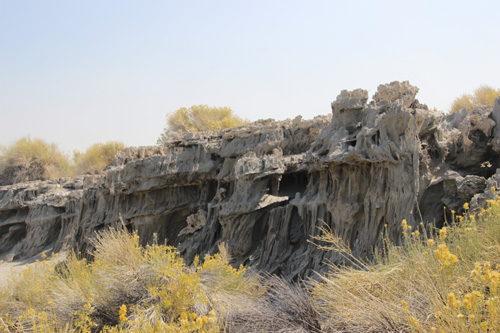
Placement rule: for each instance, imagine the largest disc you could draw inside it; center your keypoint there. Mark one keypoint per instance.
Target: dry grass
(34, 159)
(283, 307)
(445, 282)
(199, 118)
(152, 284)
(484, 95)
(134, 289)
(30, 159)
(97, 157)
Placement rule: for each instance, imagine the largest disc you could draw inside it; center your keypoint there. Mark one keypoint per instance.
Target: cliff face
(265, 188)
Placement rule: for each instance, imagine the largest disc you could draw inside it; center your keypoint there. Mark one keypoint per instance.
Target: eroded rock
(394, 91)
(266, 187)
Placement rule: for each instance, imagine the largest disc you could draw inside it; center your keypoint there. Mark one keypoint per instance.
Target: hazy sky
(80, 72)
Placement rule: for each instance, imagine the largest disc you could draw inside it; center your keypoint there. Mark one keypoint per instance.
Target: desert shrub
(32, 159)
(199, 118)
(444, 282)
(484, 95)
(129, 288)
(97, 157)
(125, 288)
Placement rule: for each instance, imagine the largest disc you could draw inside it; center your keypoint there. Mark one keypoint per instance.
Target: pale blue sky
(81, 72)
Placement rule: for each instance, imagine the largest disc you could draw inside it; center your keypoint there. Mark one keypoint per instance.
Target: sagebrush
(484, 95)
(198, 118)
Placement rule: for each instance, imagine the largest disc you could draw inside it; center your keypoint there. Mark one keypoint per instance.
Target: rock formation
(266, 187)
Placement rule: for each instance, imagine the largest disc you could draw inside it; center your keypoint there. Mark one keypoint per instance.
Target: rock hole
(489, 167)
(293, 183)
(431, 206)
(273, 185)
(434, 153)
(376, 138)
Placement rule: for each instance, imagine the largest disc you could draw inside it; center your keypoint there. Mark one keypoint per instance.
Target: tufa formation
(266, 187)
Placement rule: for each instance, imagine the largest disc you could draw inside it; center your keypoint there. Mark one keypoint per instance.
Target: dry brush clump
(131, 288)
(484, 95)
(32, 159)
(97, 157)
(125, 288)
(199, 118)
(283, 307)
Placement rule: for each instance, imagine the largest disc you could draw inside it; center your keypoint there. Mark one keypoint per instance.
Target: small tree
(199, 118)
(97, 157)
(484, 95)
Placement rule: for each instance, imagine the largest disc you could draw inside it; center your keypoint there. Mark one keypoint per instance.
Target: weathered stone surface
(36, 215)
(396, 91)
(350, 100)
(266, 187)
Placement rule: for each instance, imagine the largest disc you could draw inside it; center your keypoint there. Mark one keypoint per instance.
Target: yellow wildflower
(453, 301)
(442, 234)
(414, 322)
(123, 313)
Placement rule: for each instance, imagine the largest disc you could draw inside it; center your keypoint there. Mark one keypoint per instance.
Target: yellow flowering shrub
(126, 288)
(434, 281)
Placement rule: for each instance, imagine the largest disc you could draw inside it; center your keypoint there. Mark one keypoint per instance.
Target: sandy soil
(7, 268)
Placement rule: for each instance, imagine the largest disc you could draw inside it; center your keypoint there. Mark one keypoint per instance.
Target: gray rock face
(266, 187)
(37, 215)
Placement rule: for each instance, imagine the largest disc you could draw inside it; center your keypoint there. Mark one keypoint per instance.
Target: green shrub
(31, 159)
(484, 95)
(200, 118)
(97, 157)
